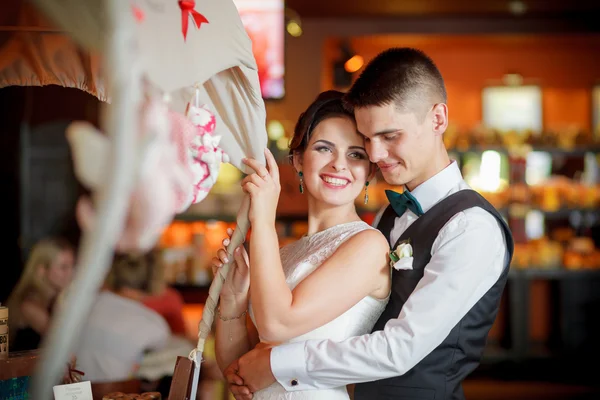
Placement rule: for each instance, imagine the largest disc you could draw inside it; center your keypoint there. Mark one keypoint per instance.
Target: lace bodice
(300, 259)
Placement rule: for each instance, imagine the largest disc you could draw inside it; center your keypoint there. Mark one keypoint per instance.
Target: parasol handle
(208, 313)
(238, 237)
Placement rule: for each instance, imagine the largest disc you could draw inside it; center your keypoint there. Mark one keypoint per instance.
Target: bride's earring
(366, 192)
(300, 174)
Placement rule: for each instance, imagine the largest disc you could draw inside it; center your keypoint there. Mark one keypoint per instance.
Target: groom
(433, 331)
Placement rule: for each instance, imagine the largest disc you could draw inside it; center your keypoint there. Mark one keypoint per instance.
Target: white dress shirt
(115, 337)
(467, 258)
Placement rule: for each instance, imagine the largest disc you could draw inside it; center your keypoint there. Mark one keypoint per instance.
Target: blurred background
(523, 82)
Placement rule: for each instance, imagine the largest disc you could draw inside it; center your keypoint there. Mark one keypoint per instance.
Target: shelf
(561, 213)
(197, 218)
(192, 294)
(565, 212)
(577, 151)
(552, 274)
(232, 218)
(493, 353)
(198, 294)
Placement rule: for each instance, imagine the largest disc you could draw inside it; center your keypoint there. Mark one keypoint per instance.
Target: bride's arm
(233, 337)
(358, 268)
(231, 333)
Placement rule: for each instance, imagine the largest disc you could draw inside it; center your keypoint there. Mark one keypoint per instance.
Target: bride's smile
(335, 182)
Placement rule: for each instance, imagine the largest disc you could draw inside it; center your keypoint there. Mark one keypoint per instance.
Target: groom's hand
(236, 384)
(255, 368)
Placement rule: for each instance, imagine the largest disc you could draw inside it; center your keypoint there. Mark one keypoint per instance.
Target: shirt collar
(430, 192)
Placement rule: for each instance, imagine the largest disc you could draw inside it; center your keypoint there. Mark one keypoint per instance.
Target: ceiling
(549, 9)
(442, 8)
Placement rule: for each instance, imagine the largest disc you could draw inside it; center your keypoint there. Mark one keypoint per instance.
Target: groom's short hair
(404, 76)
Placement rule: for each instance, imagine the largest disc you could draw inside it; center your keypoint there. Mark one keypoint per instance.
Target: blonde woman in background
(48, 271)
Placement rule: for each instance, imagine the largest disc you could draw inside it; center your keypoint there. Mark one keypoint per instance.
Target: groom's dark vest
(440, 374)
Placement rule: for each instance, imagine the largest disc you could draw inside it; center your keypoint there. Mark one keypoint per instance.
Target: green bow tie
(401, 201)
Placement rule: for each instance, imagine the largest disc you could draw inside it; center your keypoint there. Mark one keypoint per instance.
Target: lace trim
(315, 249)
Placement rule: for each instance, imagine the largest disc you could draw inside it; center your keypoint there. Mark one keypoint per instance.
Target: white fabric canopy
(33, 52)
(217, 55)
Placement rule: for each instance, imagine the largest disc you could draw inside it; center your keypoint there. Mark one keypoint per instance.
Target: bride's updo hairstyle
(328, 104)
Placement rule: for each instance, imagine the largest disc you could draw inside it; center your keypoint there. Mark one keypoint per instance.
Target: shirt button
(294, 382)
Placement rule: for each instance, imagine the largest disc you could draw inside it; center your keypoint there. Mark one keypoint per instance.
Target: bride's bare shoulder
(371, 239)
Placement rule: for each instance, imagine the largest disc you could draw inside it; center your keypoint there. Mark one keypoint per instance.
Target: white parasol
(212, 40)
(216, 57)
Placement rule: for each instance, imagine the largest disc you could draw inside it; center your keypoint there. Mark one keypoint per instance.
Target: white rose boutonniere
(402, 257)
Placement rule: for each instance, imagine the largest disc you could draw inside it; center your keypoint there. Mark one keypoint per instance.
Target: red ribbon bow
(187, 9)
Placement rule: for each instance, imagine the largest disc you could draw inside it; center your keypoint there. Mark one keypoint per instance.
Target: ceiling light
(293, 24)
(275, 130)
(517, 7)
(293, 28)
(354, 63)
(283, 143)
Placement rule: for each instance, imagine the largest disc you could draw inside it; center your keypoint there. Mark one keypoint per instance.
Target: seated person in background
(164, 300)
(168, 302)
(48, 271)
(120, 329)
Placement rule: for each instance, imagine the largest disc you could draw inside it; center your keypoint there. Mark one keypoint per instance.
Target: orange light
(354, 64)
(178, 234)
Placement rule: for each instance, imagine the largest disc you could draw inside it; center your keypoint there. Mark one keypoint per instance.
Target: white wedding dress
(301, 258)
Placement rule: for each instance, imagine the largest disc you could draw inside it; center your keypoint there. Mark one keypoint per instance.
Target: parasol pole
(121, 125)
(208, 313)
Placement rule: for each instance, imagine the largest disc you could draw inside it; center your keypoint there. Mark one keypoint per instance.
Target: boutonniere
(402, 257)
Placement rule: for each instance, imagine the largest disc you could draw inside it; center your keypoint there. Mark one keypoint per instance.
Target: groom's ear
(439, 118)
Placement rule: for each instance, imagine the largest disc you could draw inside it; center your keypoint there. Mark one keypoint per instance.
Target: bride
(334, 282)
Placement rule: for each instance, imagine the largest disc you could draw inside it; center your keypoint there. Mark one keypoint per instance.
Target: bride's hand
(264, 188)
(237, 283)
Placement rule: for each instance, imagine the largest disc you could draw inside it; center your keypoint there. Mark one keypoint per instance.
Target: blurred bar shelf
(558, 214)
(565, 212)
(196, 294)
(561, 213)
(495, 353)
(206, 218)
(552, 273)
(231, 218)
(575, 151)
(192, 294)
(518, 290)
